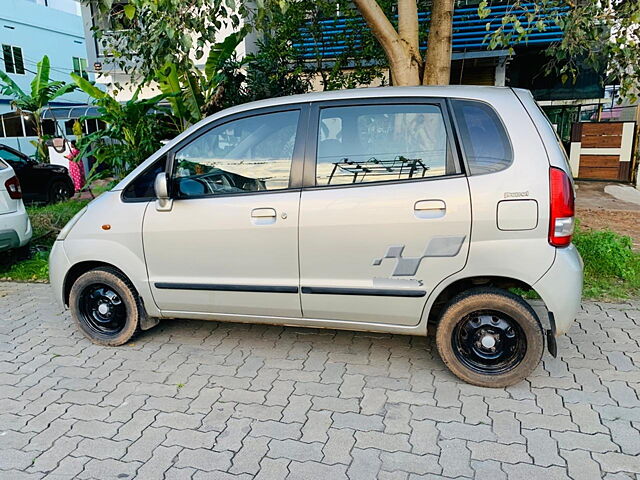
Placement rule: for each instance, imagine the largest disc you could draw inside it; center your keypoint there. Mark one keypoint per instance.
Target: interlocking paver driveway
(212, 400)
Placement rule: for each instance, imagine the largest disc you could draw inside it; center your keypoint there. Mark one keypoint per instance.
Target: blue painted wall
(42, 30)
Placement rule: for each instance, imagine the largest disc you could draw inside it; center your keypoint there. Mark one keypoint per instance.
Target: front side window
(13, 60)
(246, 155)
(483, 137)
(374, 143)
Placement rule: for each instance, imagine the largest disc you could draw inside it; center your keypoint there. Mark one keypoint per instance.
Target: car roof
(451, 91)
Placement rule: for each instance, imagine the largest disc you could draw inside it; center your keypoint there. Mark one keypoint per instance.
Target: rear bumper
(561, 288)
(15, 229)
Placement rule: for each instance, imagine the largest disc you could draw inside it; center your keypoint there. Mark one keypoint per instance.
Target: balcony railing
(469, 31)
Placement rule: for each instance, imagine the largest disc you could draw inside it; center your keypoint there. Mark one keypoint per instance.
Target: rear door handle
(263, 216)
(430, 208)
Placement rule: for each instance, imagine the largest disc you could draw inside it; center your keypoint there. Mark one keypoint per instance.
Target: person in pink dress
(76, 167)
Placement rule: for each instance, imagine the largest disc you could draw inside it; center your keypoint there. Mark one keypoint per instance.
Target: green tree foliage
(43, 91)
(145, 35)
(133, 131)
(195, 93)
(604, 36)
(278, 67)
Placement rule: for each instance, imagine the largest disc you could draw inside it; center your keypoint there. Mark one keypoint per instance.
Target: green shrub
(48, 220)
(611, 267)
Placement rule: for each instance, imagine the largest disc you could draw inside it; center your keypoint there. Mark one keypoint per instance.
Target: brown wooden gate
(602, 150)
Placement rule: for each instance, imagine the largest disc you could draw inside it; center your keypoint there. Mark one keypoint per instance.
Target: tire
(490, 337)
(106, 307)
(59, 191)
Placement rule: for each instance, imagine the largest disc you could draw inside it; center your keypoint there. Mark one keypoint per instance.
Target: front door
(385, 214)
(229, 244)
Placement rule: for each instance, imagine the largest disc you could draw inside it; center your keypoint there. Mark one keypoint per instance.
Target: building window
(80, 67)
(13, 61)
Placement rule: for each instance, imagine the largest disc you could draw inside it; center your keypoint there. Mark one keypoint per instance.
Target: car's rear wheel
(59, 191)
(105, 306)
(490, 337)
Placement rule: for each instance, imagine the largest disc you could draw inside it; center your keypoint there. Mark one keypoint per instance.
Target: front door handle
(263, 216)
(430, 208)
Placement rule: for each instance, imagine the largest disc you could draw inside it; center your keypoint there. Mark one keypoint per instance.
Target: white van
(378, 209)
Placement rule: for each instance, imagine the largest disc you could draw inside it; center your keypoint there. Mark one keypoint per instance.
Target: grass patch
(611, 267)
(32, 264)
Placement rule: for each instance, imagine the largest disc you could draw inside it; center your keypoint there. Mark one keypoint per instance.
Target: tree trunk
(404, 60)
(437, 67)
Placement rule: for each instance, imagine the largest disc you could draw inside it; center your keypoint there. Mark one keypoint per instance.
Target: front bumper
(561, 288)
(59, 265)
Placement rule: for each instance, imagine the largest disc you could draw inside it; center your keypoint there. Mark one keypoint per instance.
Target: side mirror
(161, 187)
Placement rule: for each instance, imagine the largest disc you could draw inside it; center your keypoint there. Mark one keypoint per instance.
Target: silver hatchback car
(379, 209)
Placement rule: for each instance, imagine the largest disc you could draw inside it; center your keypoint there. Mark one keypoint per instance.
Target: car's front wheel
(105, 306)
(490, 337)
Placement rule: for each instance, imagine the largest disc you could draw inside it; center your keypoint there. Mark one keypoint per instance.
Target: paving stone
(101, 448)
(523, 471)
(247, 460)
(357, 421)
(293, 450)
(206, 460)
(191, 439)
(277, 430)
(455, 458)
(543, 447)
(593, 442)
(409, 462)
(109, 469)
(514, 453)
(162, 459)
(618, 462)
(624, 435)
(273, 469)
(365, 464)
(586, 418)
(338, 447)
(488, 469)
(581, 465)
(315, 471)
(383, 441)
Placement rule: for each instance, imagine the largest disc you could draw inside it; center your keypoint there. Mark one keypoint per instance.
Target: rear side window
(483, 137)
(378, 143)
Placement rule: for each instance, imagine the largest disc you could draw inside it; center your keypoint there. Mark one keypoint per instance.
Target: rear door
(385, 214)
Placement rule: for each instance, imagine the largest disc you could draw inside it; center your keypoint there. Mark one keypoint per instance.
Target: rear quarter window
(484, 139)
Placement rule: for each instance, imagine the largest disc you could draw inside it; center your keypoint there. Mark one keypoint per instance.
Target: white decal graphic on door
(445, 246)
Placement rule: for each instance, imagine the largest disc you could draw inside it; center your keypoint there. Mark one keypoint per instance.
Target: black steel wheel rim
(102, 310)
(60, 192)
(489, 342)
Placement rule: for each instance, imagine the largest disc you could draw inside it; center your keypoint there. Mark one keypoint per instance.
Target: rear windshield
(485, 142)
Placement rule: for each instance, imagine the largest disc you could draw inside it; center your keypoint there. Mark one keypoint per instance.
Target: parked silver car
(379, 209)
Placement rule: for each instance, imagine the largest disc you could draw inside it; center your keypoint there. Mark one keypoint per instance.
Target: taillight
(562, 208)
(13, 188)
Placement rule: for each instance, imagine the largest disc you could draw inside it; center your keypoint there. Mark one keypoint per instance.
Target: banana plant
(194, 93)
(132, 130)
(43, 91)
